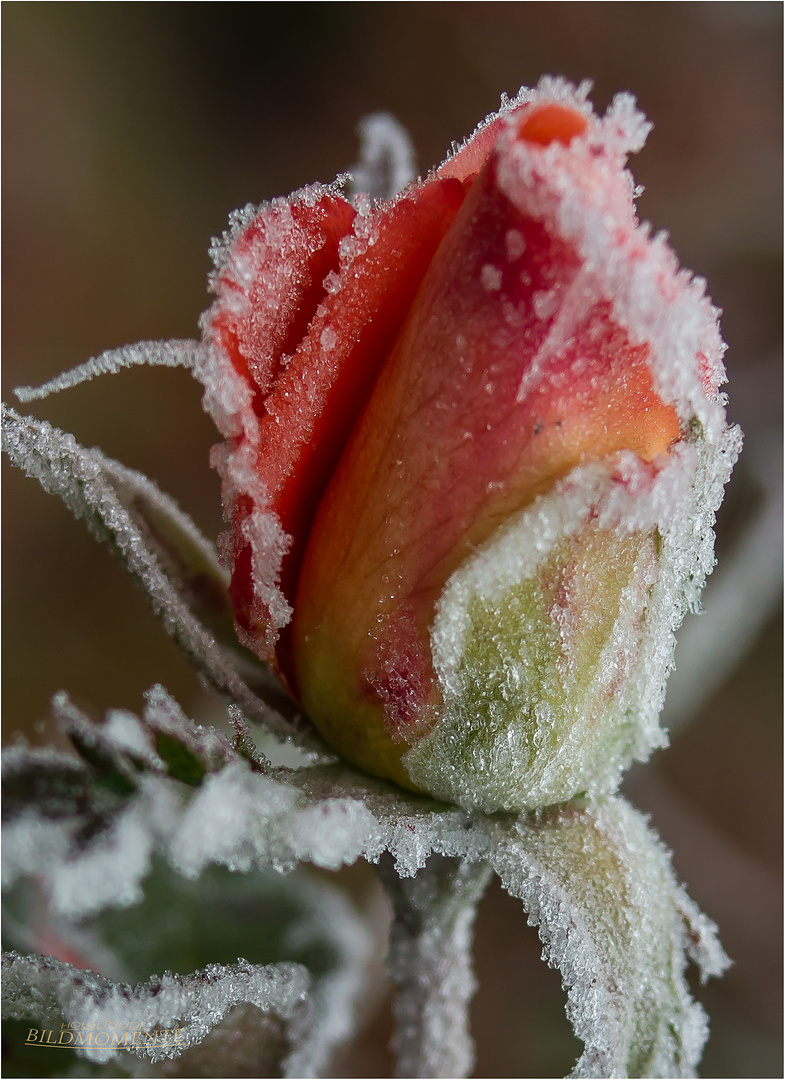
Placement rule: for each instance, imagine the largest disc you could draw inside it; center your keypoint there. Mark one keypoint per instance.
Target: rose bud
(474, 446)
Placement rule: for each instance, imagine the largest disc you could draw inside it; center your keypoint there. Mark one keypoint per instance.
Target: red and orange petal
(553, 122)
(473, 416)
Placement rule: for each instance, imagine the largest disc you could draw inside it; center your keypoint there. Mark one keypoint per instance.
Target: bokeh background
(130, 132)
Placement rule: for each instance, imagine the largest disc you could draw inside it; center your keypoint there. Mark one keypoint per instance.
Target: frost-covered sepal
(613, 918)
(552, 644)
(167, 556)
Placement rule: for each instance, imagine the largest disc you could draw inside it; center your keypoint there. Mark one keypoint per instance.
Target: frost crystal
(185, 354)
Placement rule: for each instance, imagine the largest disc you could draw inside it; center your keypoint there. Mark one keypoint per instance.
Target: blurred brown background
(131, 131)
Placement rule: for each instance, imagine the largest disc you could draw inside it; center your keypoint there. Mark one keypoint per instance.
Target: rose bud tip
(551, 123)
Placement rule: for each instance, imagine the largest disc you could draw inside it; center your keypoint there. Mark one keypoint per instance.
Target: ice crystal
(185, 354)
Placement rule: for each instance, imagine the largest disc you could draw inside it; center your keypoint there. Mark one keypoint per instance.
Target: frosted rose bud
(475, 444)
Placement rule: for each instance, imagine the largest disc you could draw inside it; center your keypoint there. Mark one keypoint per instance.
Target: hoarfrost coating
(474, 443)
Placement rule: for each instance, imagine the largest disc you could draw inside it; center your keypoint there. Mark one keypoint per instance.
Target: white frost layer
(187, 354)
(582, 193)
(463, 761)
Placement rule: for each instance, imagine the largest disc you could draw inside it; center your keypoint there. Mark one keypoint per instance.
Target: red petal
(315, 397)
(269, 283)
(540, 123)
(315, 405)
(466, 162)
(551, 123)
(273, 281)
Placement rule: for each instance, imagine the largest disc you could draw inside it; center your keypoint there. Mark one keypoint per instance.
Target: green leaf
(181, 763)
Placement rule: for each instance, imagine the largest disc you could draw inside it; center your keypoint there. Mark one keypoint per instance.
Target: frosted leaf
(181, 1011)
(167, 556)
(267, 918)
(592, 875)
(173, 353)
(387, 161)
